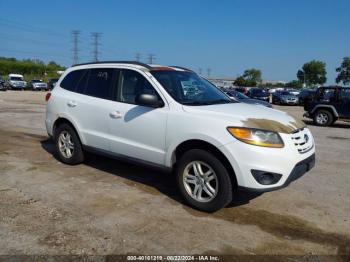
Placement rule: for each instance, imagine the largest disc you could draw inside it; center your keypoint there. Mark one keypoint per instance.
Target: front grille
(302, 140)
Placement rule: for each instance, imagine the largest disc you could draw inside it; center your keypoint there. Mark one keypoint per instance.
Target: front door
(137, 131)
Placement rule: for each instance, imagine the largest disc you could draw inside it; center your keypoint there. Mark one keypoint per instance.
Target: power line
(34, 53)
(75, 35)
(208, 71)
(151, 58)
(13, 38)
(138, 57)
(96, 43)
(30, 28)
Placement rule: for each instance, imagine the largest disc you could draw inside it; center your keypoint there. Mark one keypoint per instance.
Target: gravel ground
(105, 206)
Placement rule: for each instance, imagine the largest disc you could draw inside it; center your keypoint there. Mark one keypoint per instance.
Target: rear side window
(72, 79)
(100, 82)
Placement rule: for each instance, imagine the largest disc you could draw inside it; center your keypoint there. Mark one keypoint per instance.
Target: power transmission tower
(208, 72)
(138, 57)
(95, 43)
(151, 58)
(75, 36)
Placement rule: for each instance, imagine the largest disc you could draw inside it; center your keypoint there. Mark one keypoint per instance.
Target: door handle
(115, 114)
(72, 104)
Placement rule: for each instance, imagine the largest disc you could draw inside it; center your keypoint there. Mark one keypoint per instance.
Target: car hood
(252, 116)
(288, 97)
(260, 95)
(255, 102)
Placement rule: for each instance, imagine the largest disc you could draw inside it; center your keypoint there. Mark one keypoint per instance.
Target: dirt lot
(109, 207)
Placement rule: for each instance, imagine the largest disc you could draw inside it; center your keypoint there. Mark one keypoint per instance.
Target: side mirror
(149, 100)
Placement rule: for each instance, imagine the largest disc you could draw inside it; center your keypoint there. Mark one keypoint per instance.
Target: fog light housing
(266, 178)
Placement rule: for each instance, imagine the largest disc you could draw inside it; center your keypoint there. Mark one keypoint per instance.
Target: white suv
(145, 113)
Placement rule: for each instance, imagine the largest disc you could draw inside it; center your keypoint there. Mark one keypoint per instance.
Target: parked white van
(143, 113)
(16, 81)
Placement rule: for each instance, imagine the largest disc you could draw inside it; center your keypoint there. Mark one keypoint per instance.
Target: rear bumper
(298, 171)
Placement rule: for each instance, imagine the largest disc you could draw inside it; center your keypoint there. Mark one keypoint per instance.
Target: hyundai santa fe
(169, 117)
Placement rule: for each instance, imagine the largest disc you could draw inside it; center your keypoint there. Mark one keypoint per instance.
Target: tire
(65, 136)
(323, 118)
(219, 178)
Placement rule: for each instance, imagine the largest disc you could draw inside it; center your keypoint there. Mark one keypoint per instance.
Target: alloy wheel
(65, 144)
(322, 118)
(200, 181)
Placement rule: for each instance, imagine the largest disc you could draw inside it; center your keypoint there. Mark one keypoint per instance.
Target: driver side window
(131, 85)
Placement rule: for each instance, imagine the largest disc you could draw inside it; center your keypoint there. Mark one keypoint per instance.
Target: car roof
(15, 75)
(136, 64)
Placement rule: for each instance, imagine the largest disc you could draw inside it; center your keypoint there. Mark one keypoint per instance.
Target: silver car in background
(284, 98)
(37, 84)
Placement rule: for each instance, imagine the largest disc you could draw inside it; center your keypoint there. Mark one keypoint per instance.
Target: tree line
(312, 74)
(29, 68)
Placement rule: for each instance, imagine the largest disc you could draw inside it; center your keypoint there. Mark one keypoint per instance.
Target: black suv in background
(51, 83)
(328, 105)
(305, 95)
(258, 93)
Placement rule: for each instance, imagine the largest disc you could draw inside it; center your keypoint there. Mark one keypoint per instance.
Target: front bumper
(286, 163)
(287, 102)
(298, 171)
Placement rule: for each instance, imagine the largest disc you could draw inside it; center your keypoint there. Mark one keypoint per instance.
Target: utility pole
(208, 72)
(138, 57)
(151, 58)
(96, 43)
(75, 49)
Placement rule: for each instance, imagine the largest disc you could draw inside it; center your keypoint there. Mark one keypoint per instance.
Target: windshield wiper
(220, 101)
(195, 103)
(213, 102)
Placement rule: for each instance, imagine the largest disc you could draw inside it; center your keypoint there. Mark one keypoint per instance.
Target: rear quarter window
(72, 79)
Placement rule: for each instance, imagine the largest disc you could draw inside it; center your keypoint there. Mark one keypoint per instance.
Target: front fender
(170, 155)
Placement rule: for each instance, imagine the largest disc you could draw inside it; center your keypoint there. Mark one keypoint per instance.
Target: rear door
(137, 131)
(89, 105)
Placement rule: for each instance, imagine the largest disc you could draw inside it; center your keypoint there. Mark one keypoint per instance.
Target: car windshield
(14, 78)
(188, 88)
(36, 81)
(259, 92)
(285, 93)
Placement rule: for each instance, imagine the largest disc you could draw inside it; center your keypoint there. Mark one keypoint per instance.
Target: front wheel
(68, 146)
(204, 181)
(323, 118)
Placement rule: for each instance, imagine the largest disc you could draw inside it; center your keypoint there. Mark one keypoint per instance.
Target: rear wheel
(204, 181)
(68, 146)
(323, 118)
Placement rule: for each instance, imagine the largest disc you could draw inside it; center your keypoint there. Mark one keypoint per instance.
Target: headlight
(257, 137)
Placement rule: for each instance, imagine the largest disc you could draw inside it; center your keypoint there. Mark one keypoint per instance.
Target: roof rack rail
(116, 62)
(183, 68)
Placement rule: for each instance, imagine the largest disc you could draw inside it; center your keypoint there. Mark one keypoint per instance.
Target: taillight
(47, 97)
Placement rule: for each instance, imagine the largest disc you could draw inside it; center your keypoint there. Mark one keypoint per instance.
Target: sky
(227, 36)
